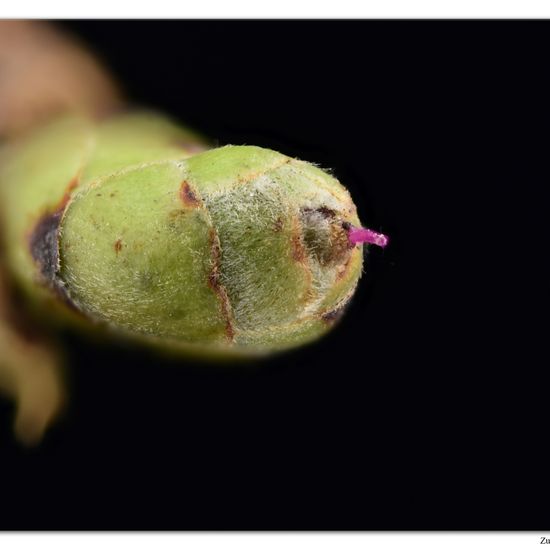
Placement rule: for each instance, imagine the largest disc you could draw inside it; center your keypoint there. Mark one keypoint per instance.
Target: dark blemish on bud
(118, 246)
(278, 225)
(325, 236)
(214, 279)
(188, 196)
(44, 245)
(326, 212)
(44, 249)
(67, 194)
(213, 276)
(98, 194)
(112, 194)
(217, 287)
(298, 250)
(332, 317)
(346, 226)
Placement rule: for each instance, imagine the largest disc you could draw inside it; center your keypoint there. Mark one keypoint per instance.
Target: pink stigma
(359, 235)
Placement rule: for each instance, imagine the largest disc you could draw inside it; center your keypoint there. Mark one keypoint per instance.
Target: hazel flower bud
(236, 250)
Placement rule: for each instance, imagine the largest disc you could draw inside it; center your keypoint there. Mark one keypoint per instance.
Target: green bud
(236, 250)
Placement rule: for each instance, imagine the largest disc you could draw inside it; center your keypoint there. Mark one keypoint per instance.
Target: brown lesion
(324, 211)
(189, 196)
(215, 284)
(326, 235)
(332, 316)
(118, 246)
(42, 239)
(296, 242)
(73, 184)
(43, 244)
(300, 256)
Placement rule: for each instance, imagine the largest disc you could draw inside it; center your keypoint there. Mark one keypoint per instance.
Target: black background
(427, 407)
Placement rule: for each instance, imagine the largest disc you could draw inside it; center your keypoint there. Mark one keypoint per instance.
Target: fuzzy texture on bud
(133, 224)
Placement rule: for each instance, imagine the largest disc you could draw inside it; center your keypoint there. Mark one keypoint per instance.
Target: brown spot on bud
(118, 246)
(44, 246)
(341, 247)
(335, 315)
(43, 242)
(278, 225)
(73, 184)
(188, 196)
(44, 249)
(217, 287)
(299, 255)
(324, 211)
(325, 235)
(332, 317)
(298, 250)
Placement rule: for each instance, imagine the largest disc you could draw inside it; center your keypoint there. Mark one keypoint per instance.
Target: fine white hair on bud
(236, 250)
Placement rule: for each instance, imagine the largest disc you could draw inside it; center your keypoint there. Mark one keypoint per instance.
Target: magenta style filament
(360, 235)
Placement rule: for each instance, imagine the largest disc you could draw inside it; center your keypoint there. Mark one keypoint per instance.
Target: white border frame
(287, 9)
